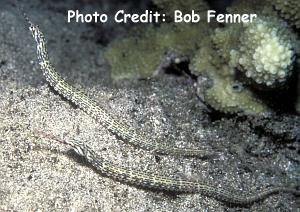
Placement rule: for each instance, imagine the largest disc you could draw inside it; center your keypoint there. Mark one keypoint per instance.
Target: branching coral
(261, 53)
(224, 94)
(260, 7)
(289, 10)
(138, 62)
(224, 39)
(139, 55)
(229, 96)
(203, 60)
(265, 52)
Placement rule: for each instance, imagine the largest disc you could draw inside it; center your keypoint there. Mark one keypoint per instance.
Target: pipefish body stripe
(91, 107)
(161, 183)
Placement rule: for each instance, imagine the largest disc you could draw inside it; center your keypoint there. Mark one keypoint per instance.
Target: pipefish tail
(161, 183)
(90, 107)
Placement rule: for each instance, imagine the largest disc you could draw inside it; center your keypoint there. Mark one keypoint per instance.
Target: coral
(261, 53)
(183, 38)
(138, 62)
(224, 94)
(203, 60)
(266, 52)
(289, 10)
(229, 96)
(259, 7)
(224, 39)
(139, 55)
(185, 6)
(263, 50)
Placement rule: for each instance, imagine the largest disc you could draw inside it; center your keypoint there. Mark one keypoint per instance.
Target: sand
(41, 174)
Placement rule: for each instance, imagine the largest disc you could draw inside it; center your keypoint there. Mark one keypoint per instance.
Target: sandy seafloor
(41, 174)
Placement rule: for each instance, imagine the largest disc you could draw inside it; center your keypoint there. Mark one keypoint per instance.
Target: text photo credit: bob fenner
(149, 16)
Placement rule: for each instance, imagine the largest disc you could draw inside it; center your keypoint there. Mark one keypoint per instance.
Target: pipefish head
(34, 29)
(79, 147)
(30, 24)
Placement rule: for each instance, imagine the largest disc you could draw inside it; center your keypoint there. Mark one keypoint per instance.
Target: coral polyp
(265, 51)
